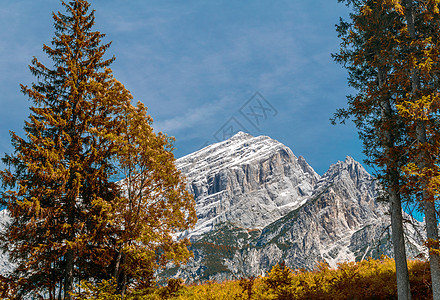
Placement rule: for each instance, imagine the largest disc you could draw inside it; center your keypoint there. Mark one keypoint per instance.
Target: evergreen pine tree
(419, 108)
(59, 171)
(411, 80)
(64, 205)
(369, 51)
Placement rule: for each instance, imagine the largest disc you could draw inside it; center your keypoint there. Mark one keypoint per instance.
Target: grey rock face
(6, 266)
(249, 181)
(258, 204)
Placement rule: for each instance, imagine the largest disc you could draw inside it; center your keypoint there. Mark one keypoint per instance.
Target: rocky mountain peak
(306, 167)
(237, 150)
(348, 170)
(246, 174)
(241, 136)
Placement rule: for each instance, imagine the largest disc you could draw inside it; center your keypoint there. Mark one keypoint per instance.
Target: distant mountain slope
(5, 265)
(258, 204)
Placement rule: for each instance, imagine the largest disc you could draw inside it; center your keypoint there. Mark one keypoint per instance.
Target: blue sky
(202, 66)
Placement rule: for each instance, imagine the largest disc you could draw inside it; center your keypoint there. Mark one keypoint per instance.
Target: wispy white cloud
(195, 116)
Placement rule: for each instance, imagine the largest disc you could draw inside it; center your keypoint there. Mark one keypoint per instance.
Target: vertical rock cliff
(248, 181)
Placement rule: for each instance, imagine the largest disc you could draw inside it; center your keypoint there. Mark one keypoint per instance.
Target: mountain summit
(247, 181)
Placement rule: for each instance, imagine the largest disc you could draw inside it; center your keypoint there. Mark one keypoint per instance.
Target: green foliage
(220, 244)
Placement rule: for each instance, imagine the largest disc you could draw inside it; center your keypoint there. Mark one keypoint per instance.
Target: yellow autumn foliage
(368, 279)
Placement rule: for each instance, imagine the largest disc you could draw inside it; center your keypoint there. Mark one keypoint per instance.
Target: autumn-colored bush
(281, 282)
(104, 290)
(368, 279)
(7, 288)
(247, 285)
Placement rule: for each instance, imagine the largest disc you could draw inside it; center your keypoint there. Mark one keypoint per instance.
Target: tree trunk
(430, 220)
(122, 276)
(402, 276)
(68, 277)
(124, 284)
(429, 205)
(51, 293)
(117, 264)
(69, 257)
(434, 259)
(60, 290)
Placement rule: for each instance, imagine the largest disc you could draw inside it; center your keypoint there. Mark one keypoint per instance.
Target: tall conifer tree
(412, 81)
(419, 107)
(61, 199)
(59, 171)
(369, 51)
